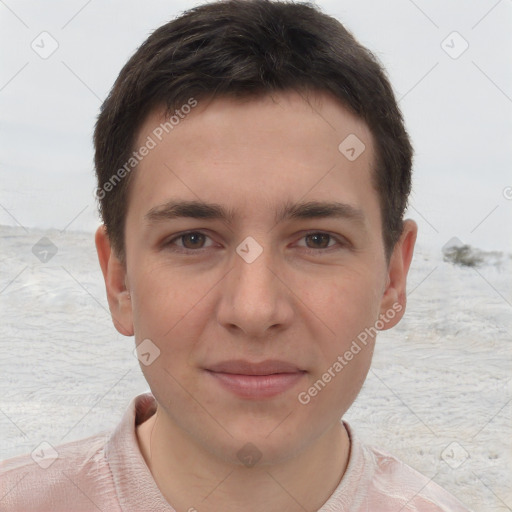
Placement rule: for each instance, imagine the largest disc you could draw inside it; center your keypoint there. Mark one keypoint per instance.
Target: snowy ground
(438, 396)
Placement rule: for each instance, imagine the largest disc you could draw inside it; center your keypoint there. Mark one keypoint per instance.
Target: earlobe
(394, 297)
(114, 274)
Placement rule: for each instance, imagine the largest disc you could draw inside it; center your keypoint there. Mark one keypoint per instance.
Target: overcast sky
(449, 62)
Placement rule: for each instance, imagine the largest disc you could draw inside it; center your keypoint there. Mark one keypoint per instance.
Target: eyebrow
(318, 210)
(305, 210)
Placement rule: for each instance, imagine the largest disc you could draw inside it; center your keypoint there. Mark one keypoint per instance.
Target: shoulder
(376, 480)
(414, 491)
(70, 476)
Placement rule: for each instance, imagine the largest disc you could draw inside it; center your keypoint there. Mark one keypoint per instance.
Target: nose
(254, 298)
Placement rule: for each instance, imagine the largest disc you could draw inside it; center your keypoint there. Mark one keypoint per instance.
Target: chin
(270, 441)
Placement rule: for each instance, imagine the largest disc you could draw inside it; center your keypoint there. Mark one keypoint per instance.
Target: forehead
(258, 150)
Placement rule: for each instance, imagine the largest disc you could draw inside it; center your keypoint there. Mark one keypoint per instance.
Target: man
(253, 171)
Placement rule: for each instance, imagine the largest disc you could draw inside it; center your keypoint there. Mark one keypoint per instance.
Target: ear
(394, 298)
(114, 274)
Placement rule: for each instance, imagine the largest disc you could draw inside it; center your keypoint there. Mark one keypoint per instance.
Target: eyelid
(178, 236)
(341, 240)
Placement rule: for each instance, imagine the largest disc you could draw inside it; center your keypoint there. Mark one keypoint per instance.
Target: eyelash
(340, 241)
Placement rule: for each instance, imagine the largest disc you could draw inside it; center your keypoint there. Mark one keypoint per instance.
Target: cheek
(163, 299)
(349, 310)
(171, 307)
(345, 355)
(347, 307)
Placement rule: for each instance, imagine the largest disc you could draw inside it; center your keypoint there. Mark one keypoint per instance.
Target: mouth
(248, 380)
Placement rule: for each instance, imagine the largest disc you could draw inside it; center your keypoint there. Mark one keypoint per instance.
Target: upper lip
(241, 367)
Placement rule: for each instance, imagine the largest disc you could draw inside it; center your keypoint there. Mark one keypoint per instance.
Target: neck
(191, 478)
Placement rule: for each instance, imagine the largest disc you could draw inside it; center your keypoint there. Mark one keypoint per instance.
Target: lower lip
(257, 386)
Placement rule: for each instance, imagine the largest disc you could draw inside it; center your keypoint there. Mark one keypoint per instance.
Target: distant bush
(464, 256)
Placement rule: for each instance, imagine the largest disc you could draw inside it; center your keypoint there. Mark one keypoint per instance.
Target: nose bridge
(253, 299)
(254, 278)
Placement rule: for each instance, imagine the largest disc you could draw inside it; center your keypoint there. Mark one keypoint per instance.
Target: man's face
(293, 296)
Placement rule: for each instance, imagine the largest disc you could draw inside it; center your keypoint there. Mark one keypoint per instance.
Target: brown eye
(193, 240)
(319, 240)
(190, 242)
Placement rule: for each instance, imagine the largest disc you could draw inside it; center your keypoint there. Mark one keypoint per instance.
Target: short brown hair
(243, 48)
